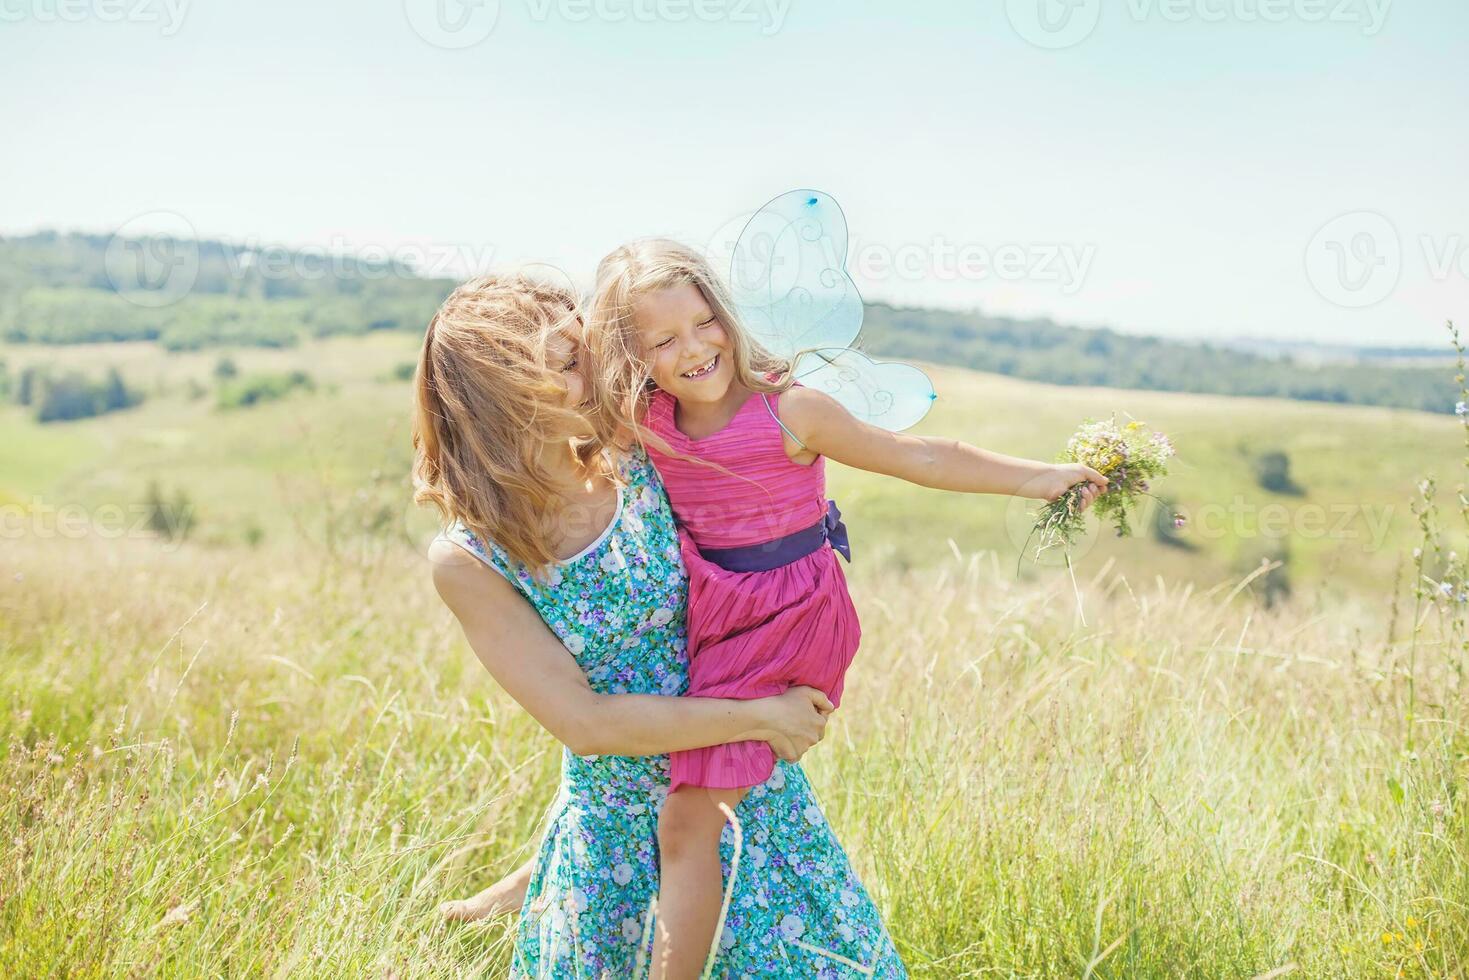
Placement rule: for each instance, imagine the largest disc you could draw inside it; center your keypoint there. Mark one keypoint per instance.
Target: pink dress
(751, 634)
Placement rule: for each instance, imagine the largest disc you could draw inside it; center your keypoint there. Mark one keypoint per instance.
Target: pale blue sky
(1182, 156)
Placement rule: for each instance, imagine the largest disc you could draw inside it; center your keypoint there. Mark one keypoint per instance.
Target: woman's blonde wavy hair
(623, 380)
(486, 406)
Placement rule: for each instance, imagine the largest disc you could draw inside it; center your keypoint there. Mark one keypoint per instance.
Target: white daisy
(791, 926)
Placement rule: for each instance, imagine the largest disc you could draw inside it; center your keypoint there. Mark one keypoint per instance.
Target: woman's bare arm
(526, 658)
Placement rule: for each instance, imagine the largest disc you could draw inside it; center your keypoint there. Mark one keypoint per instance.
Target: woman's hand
(1061, 477)
(521, 652)
(794, 721)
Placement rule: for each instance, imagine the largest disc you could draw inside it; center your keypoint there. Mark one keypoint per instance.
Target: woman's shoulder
(636, 468)
(464, 578)
(461, 551)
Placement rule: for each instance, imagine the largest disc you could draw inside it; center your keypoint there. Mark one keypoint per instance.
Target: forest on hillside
(68, 288)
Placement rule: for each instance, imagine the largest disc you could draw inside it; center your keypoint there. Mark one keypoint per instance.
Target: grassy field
(276, 759)
(315, 465)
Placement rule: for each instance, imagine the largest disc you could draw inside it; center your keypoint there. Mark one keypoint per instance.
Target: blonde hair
(624, 379)
(486, 406)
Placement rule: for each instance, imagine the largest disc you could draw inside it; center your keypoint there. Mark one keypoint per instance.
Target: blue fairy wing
(788, 278)
(884, 393)
(791, 290)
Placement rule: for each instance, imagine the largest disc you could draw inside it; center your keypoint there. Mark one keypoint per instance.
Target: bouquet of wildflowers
(1128, 456)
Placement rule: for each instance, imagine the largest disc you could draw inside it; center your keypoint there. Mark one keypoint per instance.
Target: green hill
(330, 465)
(187, 295)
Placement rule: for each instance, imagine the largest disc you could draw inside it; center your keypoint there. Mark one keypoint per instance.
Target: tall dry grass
(271, 764)
(275, 762)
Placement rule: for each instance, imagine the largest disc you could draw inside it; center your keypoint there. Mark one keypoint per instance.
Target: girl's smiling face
(684, 344)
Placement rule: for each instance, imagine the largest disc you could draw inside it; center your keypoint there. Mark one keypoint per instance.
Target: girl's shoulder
(658, 415)
(801, 408)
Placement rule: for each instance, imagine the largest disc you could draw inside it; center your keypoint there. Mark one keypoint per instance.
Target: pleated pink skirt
(755, 634)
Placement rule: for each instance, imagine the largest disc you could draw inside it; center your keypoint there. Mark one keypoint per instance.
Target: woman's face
(565, 356)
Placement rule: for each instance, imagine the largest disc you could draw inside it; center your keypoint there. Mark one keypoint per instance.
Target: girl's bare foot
(502, 898)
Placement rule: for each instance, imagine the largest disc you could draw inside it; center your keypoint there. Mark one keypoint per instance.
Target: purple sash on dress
(786, 549)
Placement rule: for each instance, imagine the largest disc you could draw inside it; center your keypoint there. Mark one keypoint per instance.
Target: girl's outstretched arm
(532, 665)
(830, 430)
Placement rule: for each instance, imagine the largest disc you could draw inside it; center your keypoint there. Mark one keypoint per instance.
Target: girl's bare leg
(501, 898)
(692, 886)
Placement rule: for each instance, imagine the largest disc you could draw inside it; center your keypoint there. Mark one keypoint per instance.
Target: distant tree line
(242, 391)
(63, 397)
(1039, 350)
(56, 289)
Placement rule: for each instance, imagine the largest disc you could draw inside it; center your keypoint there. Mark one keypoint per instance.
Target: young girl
(741, 449)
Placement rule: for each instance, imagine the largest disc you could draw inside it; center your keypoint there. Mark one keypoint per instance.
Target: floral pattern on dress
(797, 909)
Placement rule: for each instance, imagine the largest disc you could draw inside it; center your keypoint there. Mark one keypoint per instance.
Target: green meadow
(313, 463)
(263, 748)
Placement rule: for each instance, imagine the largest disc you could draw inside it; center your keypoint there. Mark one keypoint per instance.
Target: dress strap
(779, 422)
(464, 538)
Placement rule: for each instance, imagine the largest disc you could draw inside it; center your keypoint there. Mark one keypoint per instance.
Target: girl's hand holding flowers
(1061, 477)
(1107, 464)
(1116, 462)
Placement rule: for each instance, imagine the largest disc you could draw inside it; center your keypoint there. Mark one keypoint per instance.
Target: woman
(561, 562)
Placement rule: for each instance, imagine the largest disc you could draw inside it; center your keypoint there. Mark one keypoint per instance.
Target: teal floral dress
(797, 909)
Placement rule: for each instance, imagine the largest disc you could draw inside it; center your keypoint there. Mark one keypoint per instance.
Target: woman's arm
(830, 430)
(523, 655)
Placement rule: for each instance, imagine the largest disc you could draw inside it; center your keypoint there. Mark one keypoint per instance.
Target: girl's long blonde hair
(486, 406)
(623, 379)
